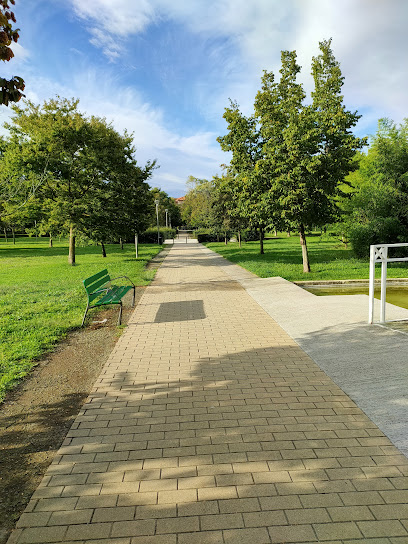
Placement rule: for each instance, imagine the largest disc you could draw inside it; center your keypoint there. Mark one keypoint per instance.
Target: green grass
(42, 297)
(329, 259)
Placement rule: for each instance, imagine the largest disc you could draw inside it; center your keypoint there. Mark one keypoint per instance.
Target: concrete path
(369, 362)
(209, 424)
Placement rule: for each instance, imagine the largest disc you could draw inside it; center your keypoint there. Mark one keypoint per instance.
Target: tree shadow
(242, 433)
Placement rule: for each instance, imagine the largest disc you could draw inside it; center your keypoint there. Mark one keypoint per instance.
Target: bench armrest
(118, 277)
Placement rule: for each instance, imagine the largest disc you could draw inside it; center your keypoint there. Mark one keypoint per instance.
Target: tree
(248, 184)
(17, 187)
(375, 210)
(196, 211)
(308, 149)
(79, 159)
(125, 207)
(10, 90)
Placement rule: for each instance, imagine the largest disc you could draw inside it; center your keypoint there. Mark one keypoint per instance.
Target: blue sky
(165, 69)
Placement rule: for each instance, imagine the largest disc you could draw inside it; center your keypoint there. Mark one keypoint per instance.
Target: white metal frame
(379, 254)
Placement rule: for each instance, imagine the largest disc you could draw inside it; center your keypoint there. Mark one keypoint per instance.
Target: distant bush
(383, 230)
(149, 236)
(208, 235)
(249, 235)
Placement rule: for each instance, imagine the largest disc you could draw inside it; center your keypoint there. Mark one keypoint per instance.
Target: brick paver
(209, 424)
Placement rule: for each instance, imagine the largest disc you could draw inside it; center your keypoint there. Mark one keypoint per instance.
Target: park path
(210, 425)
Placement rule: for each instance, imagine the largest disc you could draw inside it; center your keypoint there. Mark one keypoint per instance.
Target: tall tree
(10, 89)
(308, 149)
(243, 140)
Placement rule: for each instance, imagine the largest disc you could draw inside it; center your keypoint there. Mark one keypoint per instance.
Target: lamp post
(157, 217)
(167, 213)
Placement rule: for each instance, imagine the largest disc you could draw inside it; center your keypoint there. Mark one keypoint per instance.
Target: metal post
(167, 211)
(383, 282)
(371, 285)
(157, 216)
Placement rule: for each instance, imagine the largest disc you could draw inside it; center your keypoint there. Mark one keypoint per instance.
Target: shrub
(383, 230)
(211, 236)
(149, 236)
(249, 235)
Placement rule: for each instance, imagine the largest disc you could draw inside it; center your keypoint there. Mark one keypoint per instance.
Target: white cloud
(369, 39)
(121, 18)
(178, 155)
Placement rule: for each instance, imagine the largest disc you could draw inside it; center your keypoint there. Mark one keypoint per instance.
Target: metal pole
(383, 282)
(371, 285)
(167, 211)
(157, 216)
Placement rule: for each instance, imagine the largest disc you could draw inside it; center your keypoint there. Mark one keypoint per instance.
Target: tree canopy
(87, 177)
(289, 160)
(375, 210)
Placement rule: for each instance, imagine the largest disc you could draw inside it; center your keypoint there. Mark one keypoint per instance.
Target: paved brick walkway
(208, 425)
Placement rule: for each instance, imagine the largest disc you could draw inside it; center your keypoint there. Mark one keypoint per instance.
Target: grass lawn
(329, 260)
(42, 297)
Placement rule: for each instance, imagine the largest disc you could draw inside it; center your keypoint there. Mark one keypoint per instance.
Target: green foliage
(81, 169)
(244, 187)
(149, 236)
(42, 298)
(375, 209)
(204, 237)
(196, 211)
(10, 90)
(249, 235)
(289, 159)
(165, 203)
(381, 230)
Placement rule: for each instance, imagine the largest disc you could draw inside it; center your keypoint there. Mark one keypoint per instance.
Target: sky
(166, 69)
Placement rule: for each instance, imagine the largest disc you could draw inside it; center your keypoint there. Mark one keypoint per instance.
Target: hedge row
(150, 235)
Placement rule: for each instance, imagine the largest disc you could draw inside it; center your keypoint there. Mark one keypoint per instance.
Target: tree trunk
(261, 241)
(121, 243)
(5, 234)
(305, 256)
(225, 238)
(103, 249)
(50, 244)
(14, 235)
(71, 253)
(239, 238)
(137, 245)
(288, 233)
(276, 233)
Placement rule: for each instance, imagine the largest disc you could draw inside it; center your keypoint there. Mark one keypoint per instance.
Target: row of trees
(71, 173)
(290, 158)
(371, 208)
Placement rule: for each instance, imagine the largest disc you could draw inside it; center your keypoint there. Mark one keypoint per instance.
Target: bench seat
(102, 292)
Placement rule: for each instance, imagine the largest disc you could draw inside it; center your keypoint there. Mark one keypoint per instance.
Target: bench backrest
(96, 282)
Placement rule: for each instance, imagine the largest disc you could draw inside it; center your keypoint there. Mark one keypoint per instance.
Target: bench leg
(120, 313)
(83, 320)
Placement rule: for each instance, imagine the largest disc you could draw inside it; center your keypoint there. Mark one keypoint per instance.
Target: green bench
(102, 292)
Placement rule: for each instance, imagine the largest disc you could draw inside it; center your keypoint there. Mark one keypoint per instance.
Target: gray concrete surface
(369, 362)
